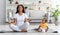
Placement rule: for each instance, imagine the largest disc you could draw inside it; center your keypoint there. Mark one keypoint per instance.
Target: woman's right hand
(14, 21)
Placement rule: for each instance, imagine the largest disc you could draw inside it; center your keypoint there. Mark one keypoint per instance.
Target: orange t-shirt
(44, 25)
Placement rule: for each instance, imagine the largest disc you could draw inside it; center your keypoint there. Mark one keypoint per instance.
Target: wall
(2, 11)
(34, 8)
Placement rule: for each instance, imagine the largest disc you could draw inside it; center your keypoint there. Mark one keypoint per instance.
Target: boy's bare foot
(39, 30)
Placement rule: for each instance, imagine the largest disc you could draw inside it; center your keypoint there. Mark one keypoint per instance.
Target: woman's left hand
(25, 20)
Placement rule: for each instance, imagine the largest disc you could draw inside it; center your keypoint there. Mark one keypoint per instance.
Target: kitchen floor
(32, 26)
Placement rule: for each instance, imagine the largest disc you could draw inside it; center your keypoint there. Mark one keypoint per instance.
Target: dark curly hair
(22, 7)
(44, 19)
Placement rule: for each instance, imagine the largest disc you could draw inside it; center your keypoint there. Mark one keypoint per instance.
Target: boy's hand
(46, 29)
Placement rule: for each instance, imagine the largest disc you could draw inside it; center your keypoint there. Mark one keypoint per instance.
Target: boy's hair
(44, 19)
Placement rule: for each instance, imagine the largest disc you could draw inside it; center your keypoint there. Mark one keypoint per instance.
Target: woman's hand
(29, 20)
(25, 20)
(14, 22)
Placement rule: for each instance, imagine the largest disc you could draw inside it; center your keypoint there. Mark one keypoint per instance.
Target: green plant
(26, 7)
(55, 14)
(10, 1)
(39, 1)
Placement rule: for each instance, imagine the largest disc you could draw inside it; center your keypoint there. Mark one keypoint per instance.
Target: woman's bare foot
(15, 31)
(24, 30)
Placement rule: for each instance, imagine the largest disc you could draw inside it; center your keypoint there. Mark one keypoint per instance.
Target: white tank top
(20, 19)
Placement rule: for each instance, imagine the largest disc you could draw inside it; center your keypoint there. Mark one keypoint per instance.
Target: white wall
(2, 11)
(34, 14)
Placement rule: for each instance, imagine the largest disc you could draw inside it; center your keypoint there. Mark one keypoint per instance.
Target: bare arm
(14, 22)
(47, 29)
(39, 27)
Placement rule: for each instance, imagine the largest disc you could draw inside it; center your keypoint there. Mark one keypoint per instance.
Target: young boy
(43, 27)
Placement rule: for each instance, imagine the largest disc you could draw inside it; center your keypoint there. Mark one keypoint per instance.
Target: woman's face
(20, 8)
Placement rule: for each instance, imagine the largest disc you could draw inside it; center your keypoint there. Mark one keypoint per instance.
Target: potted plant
(16, 2)
(55, 15)
(10, 1)
(26, 7)
(39, 1)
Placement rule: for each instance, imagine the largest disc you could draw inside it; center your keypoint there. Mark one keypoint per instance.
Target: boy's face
(43, 21)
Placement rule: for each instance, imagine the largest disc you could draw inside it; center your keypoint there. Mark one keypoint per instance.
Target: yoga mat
(30, 31)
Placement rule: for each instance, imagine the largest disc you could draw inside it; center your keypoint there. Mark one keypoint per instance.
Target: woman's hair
(18, 7)
(44, 19)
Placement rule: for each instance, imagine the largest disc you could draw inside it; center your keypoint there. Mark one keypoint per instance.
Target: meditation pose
(21, 22)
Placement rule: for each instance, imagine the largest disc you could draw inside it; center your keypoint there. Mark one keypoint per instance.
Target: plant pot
(56, 23)
(39, 1)
(26, 7)
(10, 2)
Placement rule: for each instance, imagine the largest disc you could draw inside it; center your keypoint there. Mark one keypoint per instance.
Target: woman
(20, 20)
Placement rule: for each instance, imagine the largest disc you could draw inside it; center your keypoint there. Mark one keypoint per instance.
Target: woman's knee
(12, 25)
(26, 25)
